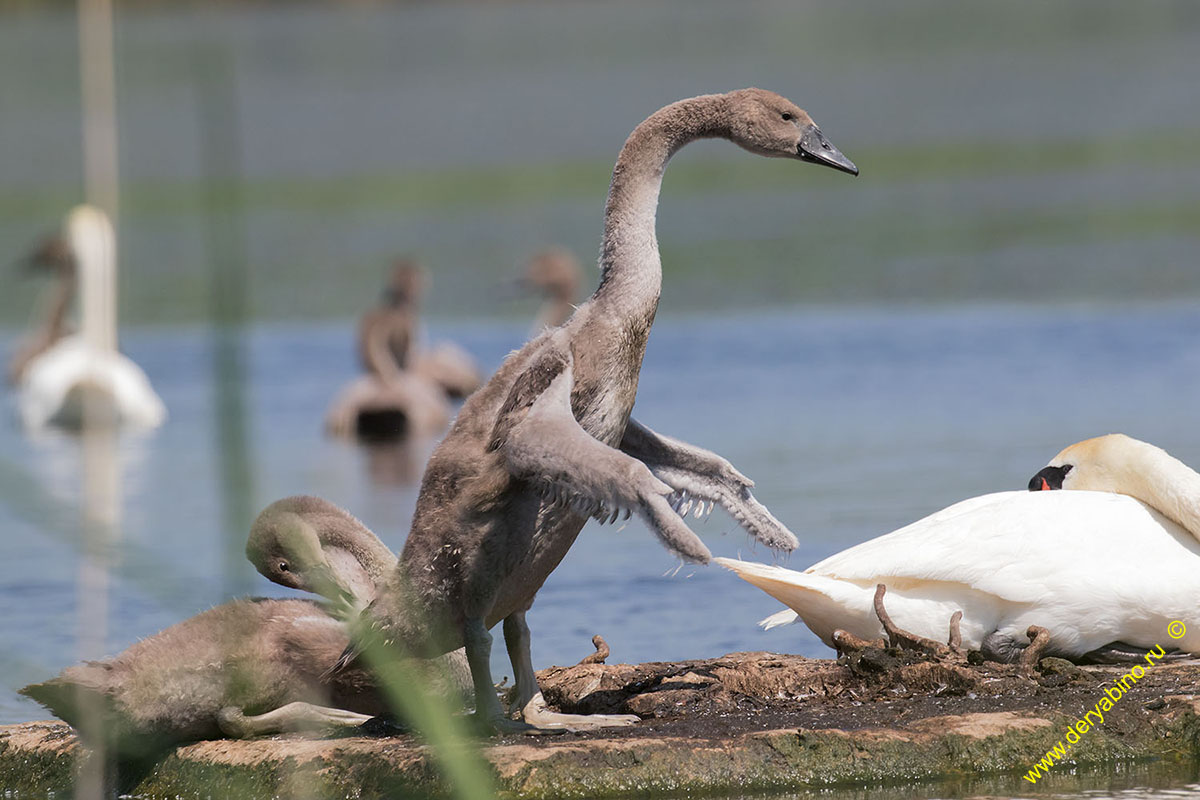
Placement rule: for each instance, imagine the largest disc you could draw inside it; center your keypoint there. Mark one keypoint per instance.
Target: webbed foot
(1121, 653)
(297, 716)
(384, 725)
(539, 715)
(487, 727)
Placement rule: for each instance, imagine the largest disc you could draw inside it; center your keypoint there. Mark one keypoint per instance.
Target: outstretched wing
(541, 442)
(699, 476)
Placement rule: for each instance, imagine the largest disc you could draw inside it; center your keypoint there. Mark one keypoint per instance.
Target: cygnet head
(286, 549)
(407, 283)
(52, 254)
(771, 125)
(1112, 463)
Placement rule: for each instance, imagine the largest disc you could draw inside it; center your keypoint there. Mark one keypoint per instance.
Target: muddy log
(743, 722)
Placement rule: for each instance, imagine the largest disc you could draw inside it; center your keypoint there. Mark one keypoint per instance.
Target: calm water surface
(852, 423)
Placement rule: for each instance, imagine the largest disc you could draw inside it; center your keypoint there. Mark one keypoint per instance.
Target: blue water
(853, 422)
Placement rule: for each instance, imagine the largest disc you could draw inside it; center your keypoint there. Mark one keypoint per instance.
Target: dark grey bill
(816, 149)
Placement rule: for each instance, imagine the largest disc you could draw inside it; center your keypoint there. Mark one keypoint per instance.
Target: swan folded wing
(1014, 545)
(541, 442)
(699, 475)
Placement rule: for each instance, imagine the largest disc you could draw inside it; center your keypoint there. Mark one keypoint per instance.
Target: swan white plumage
(1093, 567)
(86, 369)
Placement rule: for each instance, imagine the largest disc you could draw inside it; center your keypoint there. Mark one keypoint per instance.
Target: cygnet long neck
(631, 273)
(344, 532)
(64, 293)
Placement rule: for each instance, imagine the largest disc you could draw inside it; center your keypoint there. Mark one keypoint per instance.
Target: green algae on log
(744, 722)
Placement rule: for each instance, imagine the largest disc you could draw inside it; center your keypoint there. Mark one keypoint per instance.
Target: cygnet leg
(516, 638)
(489, 715)
(291, 717)
(529, 698)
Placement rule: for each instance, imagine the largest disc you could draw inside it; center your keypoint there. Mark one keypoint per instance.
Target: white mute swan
(1093, 567)
(86, 369)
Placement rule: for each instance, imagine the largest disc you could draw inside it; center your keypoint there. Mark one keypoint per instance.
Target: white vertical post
(101, 473)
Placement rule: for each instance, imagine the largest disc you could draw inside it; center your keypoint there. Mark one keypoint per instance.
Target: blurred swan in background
(445, 363)
(1097, 569)
(393, 401)
(57, 374)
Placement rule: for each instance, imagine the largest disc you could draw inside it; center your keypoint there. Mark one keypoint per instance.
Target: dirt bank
(743, 722)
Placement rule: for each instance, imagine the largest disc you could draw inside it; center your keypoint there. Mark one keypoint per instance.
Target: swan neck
(357, 540)
(95, 256)
(630, 269)
(1157, 479)
(1176, 494)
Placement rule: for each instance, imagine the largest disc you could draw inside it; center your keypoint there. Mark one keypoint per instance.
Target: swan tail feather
(780, 618)
(823, 603)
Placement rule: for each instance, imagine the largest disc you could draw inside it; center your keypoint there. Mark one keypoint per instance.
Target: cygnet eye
(283, 567)
(787, 116)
